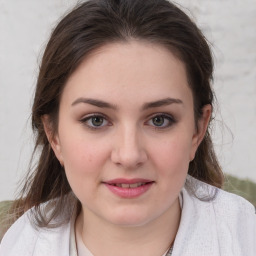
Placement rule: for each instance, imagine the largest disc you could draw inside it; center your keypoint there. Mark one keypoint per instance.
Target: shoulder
(229, 204)
(18, 236)
(26, 239)
(224, 203)
(228, 217)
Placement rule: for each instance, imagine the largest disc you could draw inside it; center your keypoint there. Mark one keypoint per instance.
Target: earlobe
(52, 137)
(202, 126)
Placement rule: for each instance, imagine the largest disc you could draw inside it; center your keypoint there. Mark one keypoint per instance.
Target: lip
(131, 192)
(127, 181)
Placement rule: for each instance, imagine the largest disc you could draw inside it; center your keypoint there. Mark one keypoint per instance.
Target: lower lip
(129, 192)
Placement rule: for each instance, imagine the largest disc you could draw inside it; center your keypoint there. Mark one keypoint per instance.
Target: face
(126, 132)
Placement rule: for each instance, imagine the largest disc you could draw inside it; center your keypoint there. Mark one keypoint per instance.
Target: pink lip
(128, 192)
(127, 181)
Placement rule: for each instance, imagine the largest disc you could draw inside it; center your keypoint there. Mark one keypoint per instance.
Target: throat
(102, 238)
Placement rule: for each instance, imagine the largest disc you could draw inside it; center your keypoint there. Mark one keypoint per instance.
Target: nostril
(129, 158)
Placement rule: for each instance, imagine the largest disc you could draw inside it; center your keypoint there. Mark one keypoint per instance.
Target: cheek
(79, 150)
(81, 162)
(172, 167)
(76, 155)
(175, 155)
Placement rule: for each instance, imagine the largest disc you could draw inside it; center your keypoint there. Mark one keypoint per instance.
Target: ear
(52, 137)
(202, 125)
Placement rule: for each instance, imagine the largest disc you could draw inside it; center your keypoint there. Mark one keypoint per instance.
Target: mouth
(133, 185)
(129, 188)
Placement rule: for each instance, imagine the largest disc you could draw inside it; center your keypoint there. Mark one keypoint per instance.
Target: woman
(121, 112)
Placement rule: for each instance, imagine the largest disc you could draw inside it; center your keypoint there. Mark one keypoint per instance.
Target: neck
(152, 239)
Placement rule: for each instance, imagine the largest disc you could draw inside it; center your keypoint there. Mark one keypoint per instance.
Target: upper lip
(127, 181)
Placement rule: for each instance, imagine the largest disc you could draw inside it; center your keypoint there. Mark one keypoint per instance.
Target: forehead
(130, 71)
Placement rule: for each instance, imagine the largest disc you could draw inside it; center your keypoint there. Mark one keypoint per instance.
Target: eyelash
(169, 118)
(166, 117)
(86, 119)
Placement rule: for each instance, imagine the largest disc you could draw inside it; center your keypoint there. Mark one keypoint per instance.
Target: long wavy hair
(87, 27)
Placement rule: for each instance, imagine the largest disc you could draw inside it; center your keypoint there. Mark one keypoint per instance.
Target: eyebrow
(103, 104)
(160, 103)
(94, 102)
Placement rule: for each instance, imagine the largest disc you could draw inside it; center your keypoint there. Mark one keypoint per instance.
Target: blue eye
(161, 121)
(95, 121)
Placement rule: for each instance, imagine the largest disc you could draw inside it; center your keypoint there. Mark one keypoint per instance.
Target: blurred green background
(242, 187)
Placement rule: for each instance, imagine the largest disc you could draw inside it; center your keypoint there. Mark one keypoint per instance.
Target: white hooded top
(223, 226)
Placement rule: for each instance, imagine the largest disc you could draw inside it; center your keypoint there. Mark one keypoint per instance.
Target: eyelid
(170, 118)
(86, 118)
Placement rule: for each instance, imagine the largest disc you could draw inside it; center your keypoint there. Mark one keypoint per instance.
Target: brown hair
(89, 26)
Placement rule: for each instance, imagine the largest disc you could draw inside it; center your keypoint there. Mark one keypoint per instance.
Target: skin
(128, 143)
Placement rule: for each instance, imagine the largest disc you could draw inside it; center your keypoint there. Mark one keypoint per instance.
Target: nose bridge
(129, 150)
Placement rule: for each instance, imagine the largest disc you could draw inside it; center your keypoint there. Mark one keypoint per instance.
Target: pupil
(158, 121)
(97, 121)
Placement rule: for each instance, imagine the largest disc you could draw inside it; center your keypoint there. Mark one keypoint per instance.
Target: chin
(130, 219)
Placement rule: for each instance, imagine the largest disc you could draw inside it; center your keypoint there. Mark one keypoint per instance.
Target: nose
(128, 150)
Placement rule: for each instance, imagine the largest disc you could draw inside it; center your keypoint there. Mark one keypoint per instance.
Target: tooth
(135, 185)
(125, 185)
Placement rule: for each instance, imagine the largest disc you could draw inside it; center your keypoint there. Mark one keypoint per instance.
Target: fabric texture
(223, 226)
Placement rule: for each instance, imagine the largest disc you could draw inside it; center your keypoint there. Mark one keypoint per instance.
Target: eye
(161, 121)
(95, 121)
